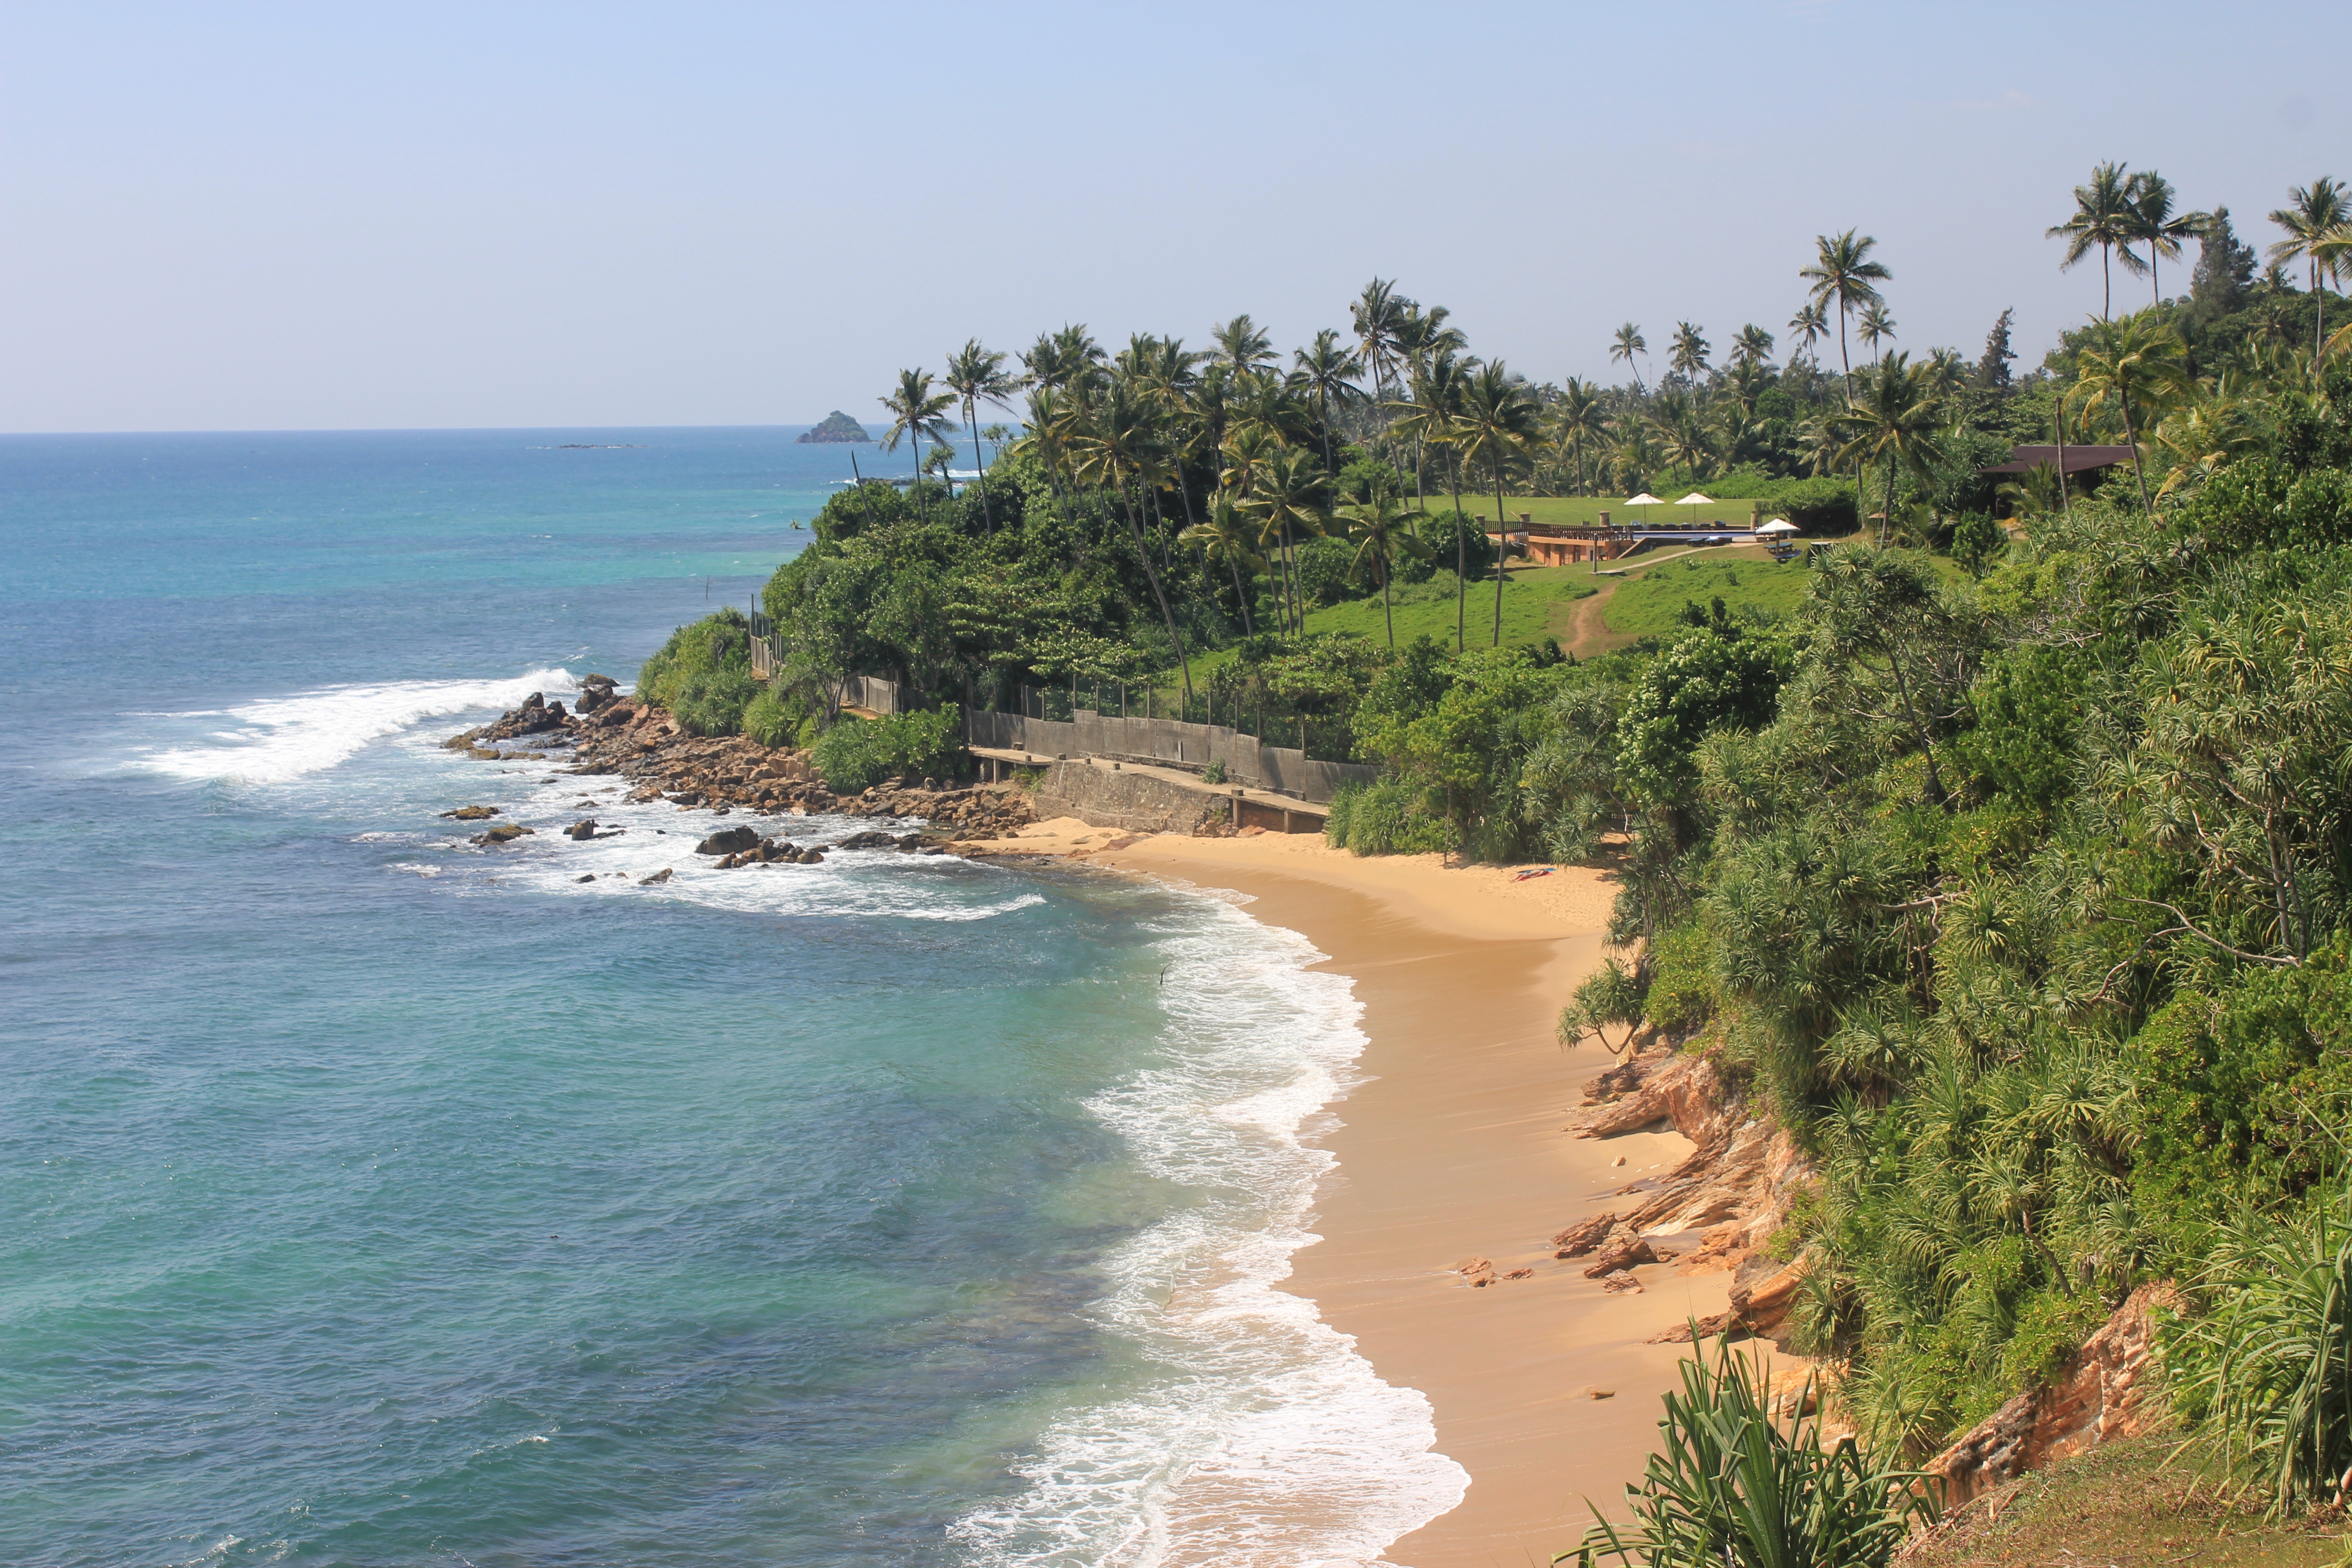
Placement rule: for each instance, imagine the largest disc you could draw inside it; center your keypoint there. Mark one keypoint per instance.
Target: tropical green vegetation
(858, 753)
(2003, 850)
(1732, 1482)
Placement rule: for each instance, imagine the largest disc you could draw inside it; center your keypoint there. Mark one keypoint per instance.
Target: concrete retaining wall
(1135, 802)
(1170, 742)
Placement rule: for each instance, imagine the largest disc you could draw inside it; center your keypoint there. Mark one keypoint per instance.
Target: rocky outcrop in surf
(611, 733)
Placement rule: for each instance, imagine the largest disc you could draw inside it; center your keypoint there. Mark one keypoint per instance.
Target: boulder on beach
(471, 813)
(584, 828)
(661, 875)
(504, 833)
(729, 841)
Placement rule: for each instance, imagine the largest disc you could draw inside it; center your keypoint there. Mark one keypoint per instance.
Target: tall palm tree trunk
(2065, 491)
(971, 417)
(1502, 552)
(1461, 557)
(2138, 467)
(1143, 553)
(1240, 597)
(1387, 614)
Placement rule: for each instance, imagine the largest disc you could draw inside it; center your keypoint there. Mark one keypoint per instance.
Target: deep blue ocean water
(366, 1197)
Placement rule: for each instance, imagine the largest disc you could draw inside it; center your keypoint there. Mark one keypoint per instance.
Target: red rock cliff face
(2105, 1394)
(1735, 1188)
(1740, 1182)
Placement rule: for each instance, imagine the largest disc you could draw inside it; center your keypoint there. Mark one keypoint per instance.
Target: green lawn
(1648, 601)
(1533, 605)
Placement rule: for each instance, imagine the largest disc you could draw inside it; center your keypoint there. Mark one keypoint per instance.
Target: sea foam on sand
(1265, 1440)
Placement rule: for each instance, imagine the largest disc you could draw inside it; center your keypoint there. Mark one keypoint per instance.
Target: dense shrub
(1436, 532)
(1388, 817)
(857, 753)
(2261, 501)
(779, 718)
(1323, 575)
(703, 674)
(1682, 982)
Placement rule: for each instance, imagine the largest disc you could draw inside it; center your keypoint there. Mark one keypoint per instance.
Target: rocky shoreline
(608, 733)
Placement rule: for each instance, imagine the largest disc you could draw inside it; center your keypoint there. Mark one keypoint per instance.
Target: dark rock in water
(872, 838)
(585, 828)
(661, 875)
(504, 833)
(592, 678)
(471, 813)
(835, 427)
(588, 878)
(732, 841)
(593, 698)
(460, 743)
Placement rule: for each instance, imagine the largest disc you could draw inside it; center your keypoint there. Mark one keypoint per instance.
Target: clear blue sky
(237, 216)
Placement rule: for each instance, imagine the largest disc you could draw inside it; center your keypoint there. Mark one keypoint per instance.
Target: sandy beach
(1453, 1150)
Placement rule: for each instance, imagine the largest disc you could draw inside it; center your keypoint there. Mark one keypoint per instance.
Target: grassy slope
(1647, 602)
(2121, 1505)
(1533, 607)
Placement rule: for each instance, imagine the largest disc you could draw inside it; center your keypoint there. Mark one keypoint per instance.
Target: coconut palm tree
(1327, 372)
(1633, 457)
(1224, 538)
(1048, 420)
(1877, 327)
(1894, 418)
(1810, 324)
(2140, 365)
(917, 412)
(2155, 224)
(1690, 353)
(1844, 274)
(2104, 215)
(1289, 499)
(1494, 427)
(1751, 348)
(1577, 415)
(1248, 449)
(1630, 343)
(1062, 360)
(1118, 448)
(976, 374)
(1429, 420)
(1382, 531)
(1242, 346)
(2312, 210)
(1376, 316)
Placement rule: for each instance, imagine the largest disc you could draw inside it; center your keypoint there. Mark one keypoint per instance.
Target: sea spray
(277, 740)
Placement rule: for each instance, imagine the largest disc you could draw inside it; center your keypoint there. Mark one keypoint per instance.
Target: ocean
(367, 1197)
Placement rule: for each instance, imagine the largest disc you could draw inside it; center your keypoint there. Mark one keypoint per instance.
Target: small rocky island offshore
(836, 426)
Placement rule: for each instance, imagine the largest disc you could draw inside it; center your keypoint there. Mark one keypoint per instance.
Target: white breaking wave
(1266, 1441)
(285, 738)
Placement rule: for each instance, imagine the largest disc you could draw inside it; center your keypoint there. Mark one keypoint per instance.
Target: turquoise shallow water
(366, 1197)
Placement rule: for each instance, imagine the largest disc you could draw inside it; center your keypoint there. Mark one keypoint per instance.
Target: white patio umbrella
(1644, 499)
(1778, 525)
(1695, 500)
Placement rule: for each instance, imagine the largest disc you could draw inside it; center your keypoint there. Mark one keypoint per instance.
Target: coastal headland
(1520, 1230)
